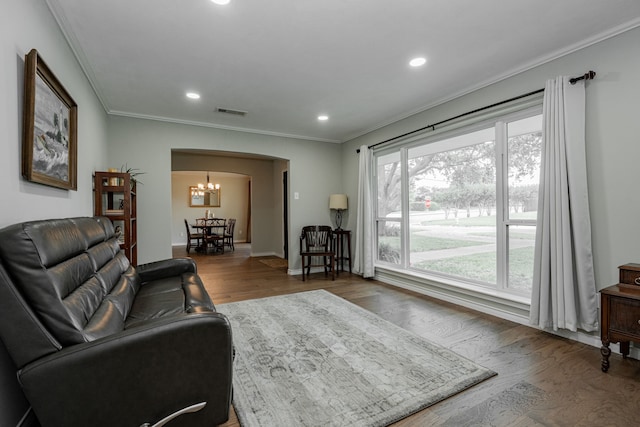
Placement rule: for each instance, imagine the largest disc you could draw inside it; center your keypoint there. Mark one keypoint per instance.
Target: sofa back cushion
(72, 274)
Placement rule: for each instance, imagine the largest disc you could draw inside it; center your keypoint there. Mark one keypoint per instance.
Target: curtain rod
(589, 75)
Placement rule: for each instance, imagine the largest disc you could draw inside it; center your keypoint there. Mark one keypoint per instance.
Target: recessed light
(418, 62)
(221, 2)
(323, 118)
(193, 95)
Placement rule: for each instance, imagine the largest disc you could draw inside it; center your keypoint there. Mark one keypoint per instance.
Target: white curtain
(364, 250)
(564, 292)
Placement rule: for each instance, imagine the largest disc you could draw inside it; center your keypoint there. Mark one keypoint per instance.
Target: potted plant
(133, 173)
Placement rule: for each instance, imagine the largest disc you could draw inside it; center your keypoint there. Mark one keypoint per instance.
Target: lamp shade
(338, 201)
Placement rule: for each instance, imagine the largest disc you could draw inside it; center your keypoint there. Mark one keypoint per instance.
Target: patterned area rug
(314, 359)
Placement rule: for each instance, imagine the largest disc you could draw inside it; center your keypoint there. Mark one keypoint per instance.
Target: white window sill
(486, 300)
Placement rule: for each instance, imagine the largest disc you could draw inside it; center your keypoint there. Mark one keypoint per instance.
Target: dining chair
(317, 241)
(198, 237)
(214, 233)
(228, 233)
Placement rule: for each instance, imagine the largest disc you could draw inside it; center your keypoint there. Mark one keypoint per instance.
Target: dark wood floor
(543, 380)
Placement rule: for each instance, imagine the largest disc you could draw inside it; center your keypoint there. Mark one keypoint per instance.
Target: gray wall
(25, 25)
(314, 173)
(612, 134)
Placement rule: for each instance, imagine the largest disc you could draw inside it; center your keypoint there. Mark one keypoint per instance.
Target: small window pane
(389, 187)
(389, 244)
(524, 154)
(522, 239)
(453, 207)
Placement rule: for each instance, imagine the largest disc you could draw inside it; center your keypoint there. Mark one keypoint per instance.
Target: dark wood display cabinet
(620, 313)
(115, 198)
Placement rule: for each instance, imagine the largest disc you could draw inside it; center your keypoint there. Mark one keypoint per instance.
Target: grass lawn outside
(479, 266)
(421, 243)
(389, 246)
(425, 243)
(482, 267)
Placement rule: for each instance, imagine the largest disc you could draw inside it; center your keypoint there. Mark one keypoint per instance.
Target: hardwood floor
(543, 380)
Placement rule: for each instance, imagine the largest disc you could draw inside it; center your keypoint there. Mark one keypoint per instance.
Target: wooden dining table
(211, 227)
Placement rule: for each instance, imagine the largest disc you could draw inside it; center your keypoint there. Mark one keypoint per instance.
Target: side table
(341, 236)
(620, 319)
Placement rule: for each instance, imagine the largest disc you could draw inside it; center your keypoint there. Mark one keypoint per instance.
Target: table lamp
(338, 202)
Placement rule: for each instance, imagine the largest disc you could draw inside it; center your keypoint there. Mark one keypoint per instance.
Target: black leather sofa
(97, 342)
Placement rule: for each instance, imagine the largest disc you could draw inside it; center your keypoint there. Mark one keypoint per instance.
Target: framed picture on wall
(49, 144)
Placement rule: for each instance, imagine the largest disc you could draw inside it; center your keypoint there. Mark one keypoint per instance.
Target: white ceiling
(287, 61)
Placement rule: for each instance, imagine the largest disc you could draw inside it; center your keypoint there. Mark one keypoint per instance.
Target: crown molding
(513, 72)
(217, 126)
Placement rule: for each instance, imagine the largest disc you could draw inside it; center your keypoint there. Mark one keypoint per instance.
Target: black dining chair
(317, 241)
(198, 237)
(214, 234)
(228, 233)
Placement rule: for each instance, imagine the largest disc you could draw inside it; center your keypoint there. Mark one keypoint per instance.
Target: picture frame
(50, 127)
(204, 198)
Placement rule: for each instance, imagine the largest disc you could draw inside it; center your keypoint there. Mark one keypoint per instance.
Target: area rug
(275, 262)
(315, 359)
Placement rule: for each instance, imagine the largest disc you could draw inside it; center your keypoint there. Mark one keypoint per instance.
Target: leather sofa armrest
(139, 375)
(166, 268)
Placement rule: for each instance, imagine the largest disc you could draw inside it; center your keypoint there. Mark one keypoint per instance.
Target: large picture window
(462, 205)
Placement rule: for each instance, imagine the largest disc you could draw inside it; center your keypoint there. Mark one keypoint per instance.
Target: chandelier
(200, 189)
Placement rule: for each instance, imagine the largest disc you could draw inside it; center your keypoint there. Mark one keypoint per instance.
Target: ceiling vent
(230, 111)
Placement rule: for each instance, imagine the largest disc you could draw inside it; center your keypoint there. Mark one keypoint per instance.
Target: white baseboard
(485, 302)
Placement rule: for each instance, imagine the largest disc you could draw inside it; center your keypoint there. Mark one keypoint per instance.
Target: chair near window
(214, 234)
(228, 233)
(198, 237)
(317, 241)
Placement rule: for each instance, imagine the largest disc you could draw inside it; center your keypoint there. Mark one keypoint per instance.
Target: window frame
(499, 120)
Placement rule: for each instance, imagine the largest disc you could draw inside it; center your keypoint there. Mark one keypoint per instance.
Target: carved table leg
(606, 352)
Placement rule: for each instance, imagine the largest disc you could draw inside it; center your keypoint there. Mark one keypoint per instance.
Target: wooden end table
(341, 236)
